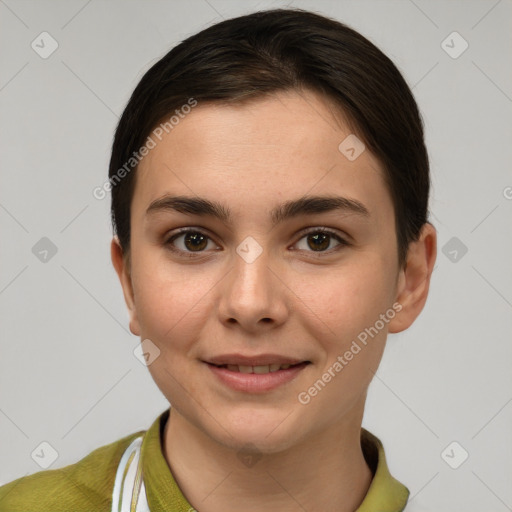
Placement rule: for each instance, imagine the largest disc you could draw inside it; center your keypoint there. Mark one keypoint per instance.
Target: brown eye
(189, 241)
(195, 241)
(320, 240)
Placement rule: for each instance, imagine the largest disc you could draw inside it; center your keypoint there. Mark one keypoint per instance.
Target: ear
(414, 279)
(122, 266)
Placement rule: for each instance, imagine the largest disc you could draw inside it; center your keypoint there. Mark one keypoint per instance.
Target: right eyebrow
(191, 206)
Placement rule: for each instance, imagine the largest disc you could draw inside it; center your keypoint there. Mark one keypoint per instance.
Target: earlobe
(414, 279)
(122, 267)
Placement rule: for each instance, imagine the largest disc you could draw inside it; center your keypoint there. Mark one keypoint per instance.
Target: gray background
(68, 375)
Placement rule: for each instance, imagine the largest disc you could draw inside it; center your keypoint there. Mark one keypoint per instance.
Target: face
(263, 278)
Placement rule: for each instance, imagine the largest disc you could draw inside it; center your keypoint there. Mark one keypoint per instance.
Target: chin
(267, 431)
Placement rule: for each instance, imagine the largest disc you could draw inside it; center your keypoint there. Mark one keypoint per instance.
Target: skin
(292, 300)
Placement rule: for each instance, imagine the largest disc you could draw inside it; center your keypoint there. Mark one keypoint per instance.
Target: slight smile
(256, 374)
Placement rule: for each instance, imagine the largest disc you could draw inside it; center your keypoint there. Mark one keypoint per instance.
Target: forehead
(260, 152)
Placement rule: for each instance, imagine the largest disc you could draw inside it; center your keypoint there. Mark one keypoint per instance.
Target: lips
(256, 379)
(241, 360)
(259, 369)
(255, 374)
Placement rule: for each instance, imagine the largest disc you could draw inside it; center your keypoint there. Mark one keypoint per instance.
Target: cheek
(170, 302)
(171, 307)
(347, 304)
(350, 298)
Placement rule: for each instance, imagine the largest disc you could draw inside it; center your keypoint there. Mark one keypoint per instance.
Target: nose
(253, 295)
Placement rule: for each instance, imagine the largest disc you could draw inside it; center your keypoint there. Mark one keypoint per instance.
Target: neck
(324, 473)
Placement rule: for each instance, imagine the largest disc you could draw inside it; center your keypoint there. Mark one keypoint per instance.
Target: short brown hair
(278, 50)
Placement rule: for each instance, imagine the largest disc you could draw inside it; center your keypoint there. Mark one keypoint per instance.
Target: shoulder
(83, 486)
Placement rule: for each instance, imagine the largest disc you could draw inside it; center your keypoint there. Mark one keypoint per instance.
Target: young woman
(270, 188)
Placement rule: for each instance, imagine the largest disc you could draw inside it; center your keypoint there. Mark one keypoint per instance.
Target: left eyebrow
(306, 205)
(310, 205)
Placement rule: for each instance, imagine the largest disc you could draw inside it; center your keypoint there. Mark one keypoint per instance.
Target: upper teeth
(257, 369)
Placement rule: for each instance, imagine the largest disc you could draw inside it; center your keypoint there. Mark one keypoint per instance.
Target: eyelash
(190, 254)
